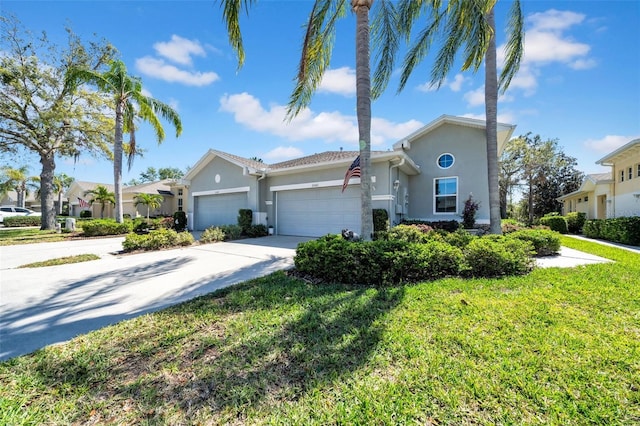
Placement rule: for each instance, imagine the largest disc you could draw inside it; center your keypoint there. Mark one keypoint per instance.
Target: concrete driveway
(43, 306)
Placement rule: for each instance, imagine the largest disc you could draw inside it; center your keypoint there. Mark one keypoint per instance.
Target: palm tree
(317, 47)
(19, 181)
(100, 194)
(130, 104)
(468, 23)
(152, 201)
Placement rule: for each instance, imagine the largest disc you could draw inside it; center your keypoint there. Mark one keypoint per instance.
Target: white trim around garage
(319, 184)
(222, 191)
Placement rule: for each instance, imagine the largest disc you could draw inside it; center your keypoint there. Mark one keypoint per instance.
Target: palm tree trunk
(117, 163)
(48, 218)
(491, 111)
(363, 106)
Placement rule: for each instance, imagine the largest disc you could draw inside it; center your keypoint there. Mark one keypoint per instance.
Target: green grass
(29, 236)
(558, 346)
(62, 261)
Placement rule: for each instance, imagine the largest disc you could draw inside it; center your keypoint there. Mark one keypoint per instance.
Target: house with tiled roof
(427, 175)
(611, 194)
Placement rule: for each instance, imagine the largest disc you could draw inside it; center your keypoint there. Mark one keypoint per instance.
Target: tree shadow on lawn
(276, 340)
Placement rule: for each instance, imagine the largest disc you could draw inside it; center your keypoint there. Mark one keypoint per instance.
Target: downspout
(392, 210)
(263, 174)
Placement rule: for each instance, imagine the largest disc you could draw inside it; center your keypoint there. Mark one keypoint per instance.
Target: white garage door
(318, 212)
(222, 209)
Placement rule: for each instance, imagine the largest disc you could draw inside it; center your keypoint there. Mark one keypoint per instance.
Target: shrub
(575, 221)
(231, 232)
(17, 221)
(498, 256)
(157, 239)
(409, 233)
(469, 212)
(212, 234)
(180, 221)
(460, 238)
(625, 230)
(380, 220)
(445, 225)
(85, 213)
(245, 218)
(100, 227)
(544, 242)
(510, 225)
(556, 223)
(255, 231)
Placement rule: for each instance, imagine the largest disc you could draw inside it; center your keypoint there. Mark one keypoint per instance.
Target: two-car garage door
(317, 212)
(219, 209)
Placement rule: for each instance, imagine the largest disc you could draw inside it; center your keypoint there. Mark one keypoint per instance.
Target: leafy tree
(130, 104)
(510, 169)
(18, 180)
(100, 194)
(61, 183)
(316, 53)
(467, 25)
(152, 201)
(41, 112)
(170, 173)
(150, 175)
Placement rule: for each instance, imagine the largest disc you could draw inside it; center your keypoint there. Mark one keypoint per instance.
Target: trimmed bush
(212, 235)
(101, 227)
(511, 225)
(556, 223)
(231, 232)
(180, 221)
(85, 213)
(380, 220)
(409, 233)
(255, 231)
(245, 219)
(498, 256)
(460, 238)
(444, 225)
(544, 242)
(575, 221)
(625, 230)
(17, 221)
(157, 239)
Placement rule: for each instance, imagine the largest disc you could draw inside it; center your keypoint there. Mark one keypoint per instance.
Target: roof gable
(622, 153)
(252, 165)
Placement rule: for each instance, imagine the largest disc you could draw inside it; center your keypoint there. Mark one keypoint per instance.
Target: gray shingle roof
(322, 157)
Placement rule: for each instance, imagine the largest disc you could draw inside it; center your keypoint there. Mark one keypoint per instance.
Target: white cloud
(158, 68)
(455, 85)
(475, 97)
(283, 153)
(608, 143)
(427, 87)
(583, 64)
(554, 20)
(179, 50)
(340, 80)
(330, 126)
(504, 118)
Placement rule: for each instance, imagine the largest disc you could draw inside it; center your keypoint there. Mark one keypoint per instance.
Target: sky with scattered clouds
(578, 82)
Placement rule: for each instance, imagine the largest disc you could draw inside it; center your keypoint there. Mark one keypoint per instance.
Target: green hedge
(556, 223)
(212, 235)
(17, 221)
(625, 230)
(575, 221)
(380, 220)
(157, 239)
(544, 242)
(101, 227)
(245, 219)
(498, 256)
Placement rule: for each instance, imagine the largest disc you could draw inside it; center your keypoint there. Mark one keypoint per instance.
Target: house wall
(468, 147)
(625, 202)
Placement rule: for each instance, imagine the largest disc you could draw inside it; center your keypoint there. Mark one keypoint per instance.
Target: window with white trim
(445, 194)
(446, 160)
(630, 175)
(638, 171)
(621, 175)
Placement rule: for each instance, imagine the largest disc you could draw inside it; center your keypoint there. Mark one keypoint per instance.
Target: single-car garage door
(221, 209)
(317, 212)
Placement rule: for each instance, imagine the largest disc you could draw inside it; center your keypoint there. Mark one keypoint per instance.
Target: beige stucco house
(427, 175)
(614, 194)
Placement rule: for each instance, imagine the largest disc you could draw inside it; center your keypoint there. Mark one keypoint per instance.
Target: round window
(445, 161)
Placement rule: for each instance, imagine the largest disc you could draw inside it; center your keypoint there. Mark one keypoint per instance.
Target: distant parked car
(8, 211)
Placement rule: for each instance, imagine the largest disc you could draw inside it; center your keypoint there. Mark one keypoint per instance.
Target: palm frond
(385, 38)
(231, 13)
(514, 48)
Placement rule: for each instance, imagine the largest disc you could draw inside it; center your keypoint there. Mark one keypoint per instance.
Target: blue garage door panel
(318, 212)
(221, 209)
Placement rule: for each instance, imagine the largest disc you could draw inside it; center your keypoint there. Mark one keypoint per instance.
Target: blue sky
(579, 81)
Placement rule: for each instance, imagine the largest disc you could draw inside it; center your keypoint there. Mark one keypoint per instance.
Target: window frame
(436, 196)
(453, 160)
(622, 175)
(630, 174)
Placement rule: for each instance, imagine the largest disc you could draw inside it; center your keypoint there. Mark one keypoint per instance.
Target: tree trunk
(47, 208)
(117, 163)
(491, 110)
(363, 104)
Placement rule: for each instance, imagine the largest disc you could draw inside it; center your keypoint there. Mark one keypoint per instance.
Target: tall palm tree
(468, 24)
(100, 194)
(18, 180)
(130, 104)
(317, 48)
(152, 201)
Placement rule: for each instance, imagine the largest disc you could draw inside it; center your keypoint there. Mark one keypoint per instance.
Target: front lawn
(557, 346)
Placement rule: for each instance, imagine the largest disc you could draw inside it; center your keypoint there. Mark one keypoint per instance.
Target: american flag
(83, 203)
(352, 171)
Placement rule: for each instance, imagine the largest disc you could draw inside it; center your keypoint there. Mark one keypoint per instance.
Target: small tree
(152, 201)
(469, 213)
(100, 194)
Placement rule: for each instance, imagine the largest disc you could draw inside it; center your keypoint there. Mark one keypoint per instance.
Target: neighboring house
(428, 175)
(608, 195)
(165, 187)
(30, 202)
